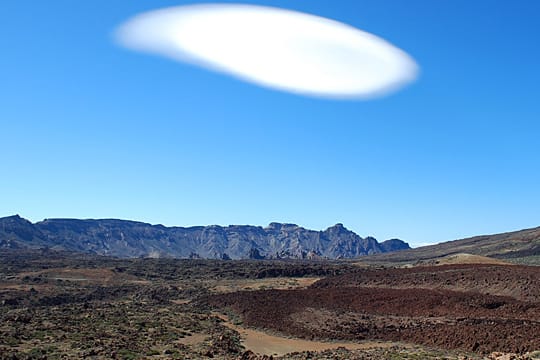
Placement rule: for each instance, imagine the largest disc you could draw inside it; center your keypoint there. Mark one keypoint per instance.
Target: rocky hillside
(521, 246)
(123, 238)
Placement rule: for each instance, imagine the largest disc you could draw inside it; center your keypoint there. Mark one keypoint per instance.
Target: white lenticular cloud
(276, 48)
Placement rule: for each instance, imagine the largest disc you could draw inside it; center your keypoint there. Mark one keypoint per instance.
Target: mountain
(122, 238)
(521, 246)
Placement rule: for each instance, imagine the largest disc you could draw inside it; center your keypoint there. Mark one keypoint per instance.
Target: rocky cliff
(123, 238)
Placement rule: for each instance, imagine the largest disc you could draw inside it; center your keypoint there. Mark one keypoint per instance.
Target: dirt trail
(468, 321)
(265, 344)
(193, 339)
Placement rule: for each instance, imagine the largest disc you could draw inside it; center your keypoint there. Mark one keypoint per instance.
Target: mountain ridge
(128, 239)
(520, 246)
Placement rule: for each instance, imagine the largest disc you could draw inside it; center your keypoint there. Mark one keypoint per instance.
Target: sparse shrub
(127, 354)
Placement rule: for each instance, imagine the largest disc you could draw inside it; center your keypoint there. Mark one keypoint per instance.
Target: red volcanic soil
(410, 305)
(520, 282)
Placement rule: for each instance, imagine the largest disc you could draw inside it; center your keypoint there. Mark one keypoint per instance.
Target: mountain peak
(14, 219)
(275, 226)
(337, 229)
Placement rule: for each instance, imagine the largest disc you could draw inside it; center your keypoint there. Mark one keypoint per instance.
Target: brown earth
(99, 276)
(463, 258)
(495, 309)
(263, 343)
(57, 305)
(233, 285)
(519, 282)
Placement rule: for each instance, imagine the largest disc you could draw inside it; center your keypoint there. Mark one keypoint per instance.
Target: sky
(90, 129)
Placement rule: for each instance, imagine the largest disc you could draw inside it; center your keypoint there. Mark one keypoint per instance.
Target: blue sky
(92, 130)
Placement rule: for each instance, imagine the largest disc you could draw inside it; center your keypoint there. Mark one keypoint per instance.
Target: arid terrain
(480, 308)
(520, 247)
(63, 305)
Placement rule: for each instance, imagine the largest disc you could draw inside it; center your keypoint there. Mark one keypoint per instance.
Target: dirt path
(193, 339)
(265, 344)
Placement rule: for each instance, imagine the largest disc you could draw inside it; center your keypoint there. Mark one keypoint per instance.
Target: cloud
(275, 48)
